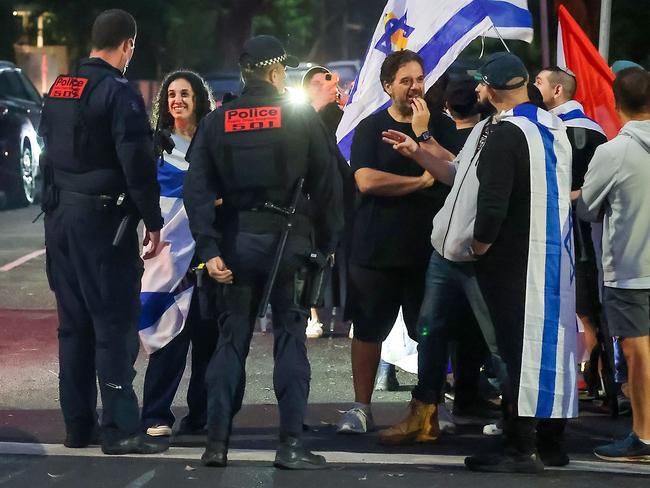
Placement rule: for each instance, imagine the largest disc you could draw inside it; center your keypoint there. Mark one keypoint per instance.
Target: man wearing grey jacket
(616, 186)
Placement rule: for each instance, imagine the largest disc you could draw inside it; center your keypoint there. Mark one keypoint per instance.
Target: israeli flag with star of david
(165, 297)
(438, 30)
(547, 385)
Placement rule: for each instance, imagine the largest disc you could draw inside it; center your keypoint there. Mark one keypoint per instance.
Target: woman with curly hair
(170, 318)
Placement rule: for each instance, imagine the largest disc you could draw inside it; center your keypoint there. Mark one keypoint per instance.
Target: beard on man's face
(484, 107)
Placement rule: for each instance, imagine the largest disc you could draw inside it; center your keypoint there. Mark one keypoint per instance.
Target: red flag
(594, 78)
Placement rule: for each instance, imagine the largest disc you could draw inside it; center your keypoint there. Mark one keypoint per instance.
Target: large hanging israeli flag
(436, 29)
(547, 385)
(165, 297)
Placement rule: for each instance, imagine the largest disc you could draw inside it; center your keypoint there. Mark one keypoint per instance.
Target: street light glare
(297, 96)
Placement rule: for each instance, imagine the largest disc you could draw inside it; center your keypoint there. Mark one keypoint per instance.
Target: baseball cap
(265, 50)
(501, 68)
(309, 74)
(622, 64)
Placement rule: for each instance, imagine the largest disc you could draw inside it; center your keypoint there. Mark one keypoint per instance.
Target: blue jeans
(449, 285)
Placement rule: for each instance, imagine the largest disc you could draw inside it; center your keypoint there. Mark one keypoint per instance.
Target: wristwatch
(424, 137)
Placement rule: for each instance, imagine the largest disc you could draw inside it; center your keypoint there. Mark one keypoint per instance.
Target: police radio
(162, 141)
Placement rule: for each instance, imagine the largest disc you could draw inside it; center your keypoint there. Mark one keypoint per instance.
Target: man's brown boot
(420, 425)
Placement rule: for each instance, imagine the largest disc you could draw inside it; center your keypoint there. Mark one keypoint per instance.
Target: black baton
(282, 243)
(124, 223)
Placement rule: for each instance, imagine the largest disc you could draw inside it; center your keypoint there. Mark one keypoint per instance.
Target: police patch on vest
(68, 87)
(254, 118)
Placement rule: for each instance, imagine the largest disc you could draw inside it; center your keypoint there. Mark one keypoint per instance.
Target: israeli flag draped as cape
(165, 301)
(573, 114)
(548, 373)
(438, 31)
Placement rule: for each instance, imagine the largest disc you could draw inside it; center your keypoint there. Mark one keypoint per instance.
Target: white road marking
(334, 457)
(142, 480)
(22, 260)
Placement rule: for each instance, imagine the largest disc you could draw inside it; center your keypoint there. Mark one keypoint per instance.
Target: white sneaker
(314, 329)
(493, 429)
(159, 431)
(355, 421)
(351, 333)
(445, 420)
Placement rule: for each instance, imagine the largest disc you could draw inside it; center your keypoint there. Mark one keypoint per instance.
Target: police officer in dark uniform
(252, 152)
(100, 181)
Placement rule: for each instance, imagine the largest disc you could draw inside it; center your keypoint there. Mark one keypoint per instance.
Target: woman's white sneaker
(159, 431)
(314, 329)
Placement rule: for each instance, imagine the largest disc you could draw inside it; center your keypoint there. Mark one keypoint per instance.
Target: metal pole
(543, 15)
(605, 26)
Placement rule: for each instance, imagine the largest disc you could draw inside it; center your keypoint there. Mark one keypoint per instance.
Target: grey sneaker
(355, 421)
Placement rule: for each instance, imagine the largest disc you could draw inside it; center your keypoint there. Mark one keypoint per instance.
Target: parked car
(224, 82)
(347, 71)
(20, 113)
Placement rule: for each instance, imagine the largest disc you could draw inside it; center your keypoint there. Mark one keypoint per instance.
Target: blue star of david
(568, 245)
(392, 26)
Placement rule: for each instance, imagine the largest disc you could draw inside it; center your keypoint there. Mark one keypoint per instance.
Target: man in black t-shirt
(390, 237)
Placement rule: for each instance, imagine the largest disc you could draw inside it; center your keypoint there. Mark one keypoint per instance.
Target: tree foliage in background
(207, 35)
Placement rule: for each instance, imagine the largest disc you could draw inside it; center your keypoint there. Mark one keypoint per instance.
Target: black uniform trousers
(250, 256)
(505, 296)
(165, 371)
(97, 289)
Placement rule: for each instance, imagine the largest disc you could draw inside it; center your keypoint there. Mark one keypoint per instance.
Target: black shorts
(627, 312)
(587, 299)
(375, 297)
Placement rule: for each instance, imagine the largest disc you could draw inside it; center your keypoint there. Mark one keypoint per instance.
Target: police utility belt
(101, 203)
(98, 202)
(263, 221)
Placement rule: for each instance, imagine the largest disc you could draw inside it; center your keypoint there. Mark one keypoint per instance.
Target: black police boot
(506, 462)
(189, 427)
(135, 444)
(78, 438)
(216, 454)
(291, 454)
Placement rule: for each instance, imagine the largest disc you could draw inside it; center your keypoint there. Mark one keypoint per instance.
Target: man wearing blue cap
(523, 237)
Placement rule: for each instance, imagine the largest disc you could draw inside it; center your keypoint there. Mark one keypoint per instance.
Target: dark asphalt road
(31, 428)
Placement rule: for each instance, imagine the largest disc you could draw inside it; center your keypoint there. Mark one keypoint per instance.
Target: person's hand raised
(402, 143)
(421, 115)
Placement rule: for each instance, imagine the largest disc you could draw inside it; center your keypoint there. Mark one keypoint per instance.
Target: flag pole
(499, 35)
(605, 27)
